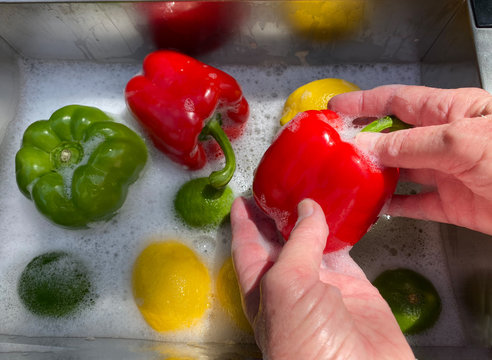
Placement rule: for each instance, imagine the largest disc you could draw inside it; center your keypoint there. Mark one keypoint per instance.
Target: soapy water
(110, 248)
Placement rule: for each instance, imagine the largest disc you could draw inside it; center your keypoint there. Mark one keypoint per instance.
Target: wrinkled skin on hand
(449, 151)
(305, 306)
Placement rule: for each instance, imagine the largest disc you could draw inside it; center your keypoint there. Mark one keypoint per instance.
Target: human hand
(449, 150)
(305, 306)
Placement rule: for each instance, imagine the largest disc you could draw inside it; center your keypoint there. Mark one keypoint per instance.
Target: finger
(424, 206)
(340, 262)
(372, 102)
(426, 177)
(445, 148)
(416, 105)
(249, 253)
(251, 256)
(304, 249)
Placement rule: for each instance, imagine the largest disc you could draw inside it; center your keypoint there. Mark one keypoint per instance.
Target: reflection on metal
(9, 86)
(483, 46)
(477, 296)
(451, 61)
(324, 21)
(49, 348)
(468, 253)
(384, 31)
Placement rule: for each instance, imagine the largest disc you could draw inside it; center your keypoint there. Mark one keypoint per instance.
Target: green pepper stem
(220, 178)
(66, 154)
(390, 123)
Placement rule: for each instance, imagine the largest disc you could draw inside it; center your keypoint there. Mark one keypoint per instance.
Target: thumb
(304, 249)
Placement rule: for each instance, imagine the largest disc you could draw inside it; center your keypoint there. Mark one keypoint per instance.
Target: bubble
(189, 105)
(205, 245)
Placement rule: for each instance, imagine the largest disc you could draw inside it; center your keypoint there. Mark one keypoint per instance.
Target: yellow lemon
(230, 296)
(325, 20)
(314, 96)
(171, 286)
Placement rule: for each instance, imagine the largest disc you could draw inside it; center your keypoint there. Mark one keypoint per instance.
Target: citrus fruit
(199, 204)
(54, 284)
(171, 286)
(325, 20)
(314, 96)
(230, 296)
(412, 298)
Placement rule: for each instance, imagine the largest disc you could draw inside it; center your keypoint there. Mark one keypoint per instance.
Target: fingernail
(304, 210)
(367, 140)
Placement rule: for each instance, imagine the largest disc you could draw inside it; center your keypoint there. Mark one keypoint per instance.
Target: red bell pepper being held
(177, 96)
(309, 159)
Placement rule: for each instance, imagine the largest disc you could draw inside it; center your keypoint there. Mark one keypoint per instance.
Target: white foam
(110, 249)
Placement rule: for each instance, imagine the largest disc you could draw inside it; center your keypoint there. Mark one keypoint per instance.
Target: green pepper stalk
(389, 123)
(220, 178)
(205, 202)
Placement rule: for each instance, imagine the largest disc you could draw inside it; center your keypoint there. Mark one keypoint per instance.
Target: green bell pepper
(77, 166)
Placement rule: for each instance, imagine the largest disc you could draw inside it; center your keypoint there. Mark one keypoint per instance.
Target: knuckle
(460, 140)
(394, 143)
(452, 135)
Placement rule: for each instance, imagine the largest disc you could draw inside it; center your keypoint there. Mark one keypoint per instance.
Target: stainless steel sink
(438, 42)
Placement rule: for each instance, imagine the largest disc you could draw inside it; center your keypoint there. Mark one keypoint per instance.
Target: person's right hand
(449, 150)
(301, 304)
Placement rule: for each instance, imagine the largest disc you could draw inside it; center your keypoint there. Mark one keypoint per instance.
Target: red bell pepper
(308, 159)
(178, 98)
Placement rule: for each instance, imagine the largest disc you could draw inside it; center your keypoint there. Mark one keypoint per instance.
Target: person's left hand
(305, 306)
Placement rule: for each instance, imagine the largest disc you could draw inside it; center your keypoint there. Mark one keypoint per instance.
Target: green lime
(199, 204)
(412, 298)
(54, 284)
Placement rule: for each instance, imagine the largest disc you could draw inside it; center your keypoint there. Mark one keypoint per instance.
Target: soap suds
(110, 248)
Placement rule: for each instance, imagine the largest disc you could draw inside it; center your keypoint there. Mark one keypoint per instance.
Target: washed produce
(55, 284)
(181, 102)
(171, 286)
(309, 159)
(206, 201)
(201, 205)
(412, 298)
(230, 296)
(314, 96)
(177, 97)
(78, 165)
